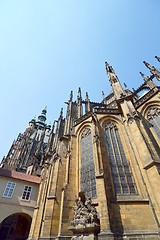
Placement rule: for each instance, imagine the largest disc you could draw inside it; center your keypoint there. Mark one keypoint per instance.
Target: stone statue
(84, 212)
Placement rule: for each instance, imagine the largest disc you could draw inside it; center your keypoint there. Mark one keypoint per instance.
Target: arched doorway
(15, 227)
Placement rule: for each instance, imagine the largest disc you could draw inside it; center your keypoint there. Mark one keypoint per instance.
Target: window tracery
(120, 167)
(88, 179)
(153, 116)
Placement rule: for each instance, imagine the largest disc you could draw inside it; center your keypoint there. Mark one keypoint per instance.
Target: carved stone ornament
(85, 217)
(131, 117)
(113, 79)
(154, 111)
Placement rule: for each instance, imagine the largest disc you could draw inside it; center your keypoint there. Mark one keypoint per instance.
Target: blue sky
(50, 47)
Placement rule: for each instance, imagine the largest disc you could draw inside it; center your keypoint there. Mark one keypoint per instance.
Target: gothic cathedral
(99, 166)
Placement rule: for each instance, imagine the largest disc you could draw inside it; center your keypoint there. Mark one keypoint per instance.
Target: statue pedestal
(85, 232)
(83, 237)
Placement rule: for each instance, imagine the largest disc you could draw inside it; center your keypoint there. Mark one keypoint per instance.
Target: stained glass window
(88, 179)
(120, 167)
(154, 118)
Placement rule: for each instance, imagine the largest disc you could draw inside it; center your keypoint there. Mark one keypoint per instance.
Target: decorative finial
(61, 112)
(145, 78)
(53, 126)
(158, 58)
(106, 63)
(109, 68)
(125, 85)
(87, 98)
(151, 68)
(79, 90)
(79, 93)
(71, 95)
(103, 96)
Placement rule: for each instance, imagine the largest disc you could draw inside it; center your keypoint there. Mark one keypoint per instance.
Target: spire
(111, 73)
(153, 70)
(158, 58)
(115, 83)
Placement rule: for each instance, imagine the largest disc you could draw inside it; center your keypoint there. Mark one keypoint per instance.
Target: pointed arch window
(122, 177)
(88, 179)
(153, 116)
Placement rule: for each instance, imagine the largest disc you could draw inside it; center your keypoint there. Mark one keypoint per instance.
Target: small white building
(18, 196)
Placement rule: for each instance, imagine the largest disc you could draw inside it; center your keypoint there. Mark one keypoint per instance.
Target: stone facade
(107, 150)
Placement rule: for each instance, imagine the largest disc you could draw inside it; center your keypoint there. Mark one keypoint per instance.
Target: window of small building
(26, 193)
(9, 189)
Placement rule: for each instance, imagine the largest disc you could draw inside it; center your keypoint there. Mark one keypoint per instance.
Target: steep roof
(19, 176)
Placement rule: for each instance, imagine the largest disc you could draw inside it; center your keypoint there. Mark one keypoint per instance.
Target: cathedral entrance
(15, 227)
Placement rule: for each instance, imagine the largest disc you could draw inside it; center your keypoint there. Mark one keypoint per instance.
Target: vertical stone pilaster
(102, 205)
(100, 185)
(146, 165)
